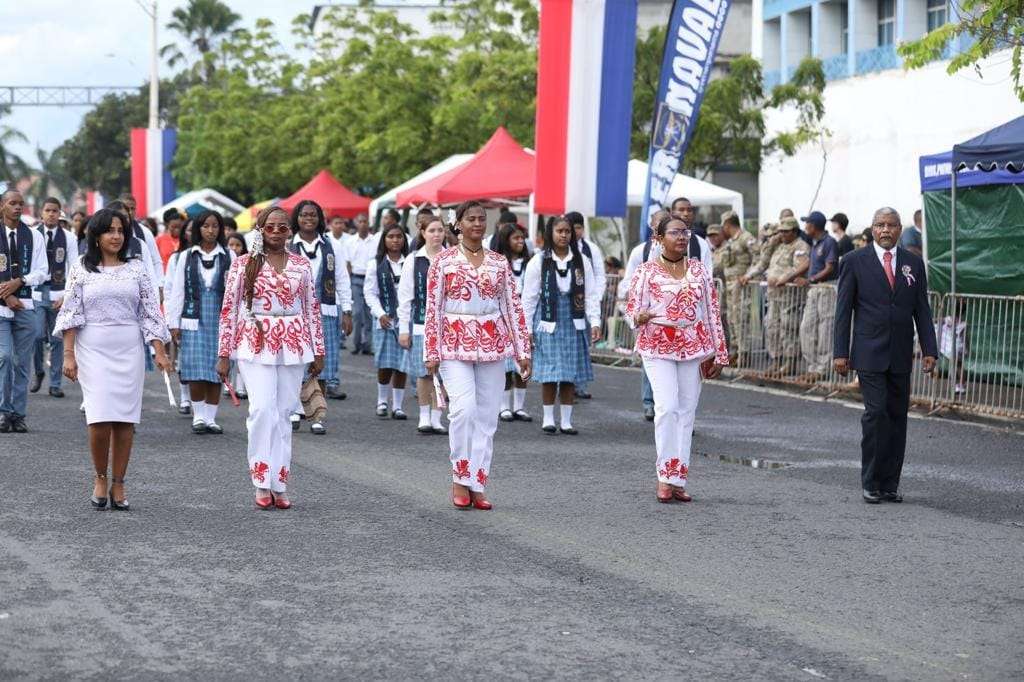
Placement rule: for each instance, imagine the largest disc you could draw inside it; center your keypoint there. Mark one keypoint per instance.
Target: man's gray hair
(887, 210)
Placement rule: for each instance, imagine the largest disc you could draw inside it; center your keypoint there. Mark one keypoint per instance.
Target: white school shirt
(532, 284)
(342, 282)
(37, 273)
(70, 258)
(154, 262)
(597, 265)
(174, 293)
(370, 291)
(407, 292)
(362, 251)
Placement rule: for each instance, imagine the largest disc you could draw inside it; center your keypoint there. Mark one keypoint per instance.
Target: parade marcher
(789, 260)
(511, 243)
(61, 254)
(168, 242)
(271, 325)
(138, 247)
(333, 290)
(560, 301)
(23, 265)
(592, 252)
(109, 311)
(237, 246)
(641, 254)
(146, 238)
(673, 305)
(737, 254)
(362, 247)
(698, 247)
(193, 314)
(383, 275)
(816, 326)
(184, 397)
(883, 288)
(411, 313)
(474, 321)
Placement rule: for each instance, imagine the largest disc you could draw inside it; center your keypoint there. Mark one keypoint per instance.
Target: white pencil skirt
(111, 369)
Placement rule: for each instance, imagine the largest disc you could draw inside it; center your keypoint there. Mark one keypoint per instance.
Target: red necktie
(887, 257)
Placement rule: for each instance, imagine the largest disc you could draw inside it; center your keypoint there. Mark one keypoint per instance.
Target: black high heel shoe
(114, 504)
(99, 503)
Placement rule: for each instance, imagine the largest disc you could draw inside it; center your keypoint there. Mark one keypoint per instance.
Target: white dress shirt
(407, 293)
(370, 291)
(532, 286)
(362, 251)
(342, 281)
(38, 271)
(880, 253)
(597, 264)
(70, 258)
(174, 292)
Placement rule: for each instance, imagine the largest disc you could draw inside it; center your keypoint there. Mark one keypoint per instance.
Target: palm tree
(12, 166)
(50, 178)
(202, 24)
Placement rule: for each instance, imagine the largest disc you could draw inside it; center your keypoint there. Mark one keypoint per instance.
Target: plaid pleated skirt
(563, 356)
(332, 345)
(197, 360)
(387, 354)
(416, 367)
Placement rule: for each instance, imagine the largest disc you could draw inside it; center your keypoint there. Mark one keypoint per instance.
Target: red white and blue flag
(584, 105)
(152, 184)
(94, 201)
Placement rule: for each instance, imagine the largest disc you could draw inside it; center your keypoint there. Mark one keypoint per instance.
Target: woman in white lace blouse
(109, 309)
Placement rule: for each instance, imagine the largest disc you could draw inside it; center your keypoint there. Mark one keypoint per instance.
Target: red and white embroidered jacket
(284, 304)
(687, 322)
(473, 314)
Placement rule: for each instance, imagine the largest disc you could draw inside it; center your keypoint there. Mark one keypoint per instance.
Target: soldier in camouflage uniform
(789, 260)
(736, 256)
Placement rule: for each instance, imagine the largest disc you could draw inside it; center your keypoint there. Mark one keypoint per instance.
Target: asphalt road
(577, 573)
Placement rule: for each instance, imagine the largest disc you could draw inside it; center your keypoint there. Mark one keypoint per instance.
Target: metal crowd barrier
(784, 335)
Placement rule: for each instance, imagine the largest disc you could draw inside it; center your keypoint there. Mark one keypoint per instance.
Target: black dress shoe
(584, 395)
(896, 497)
(522, 416)
(37, 383)
(649, 414)
(399, 414)
(570, 431)
(185, 410)
(18, 425)
(871, 496)
(5, 424)
(335, 394)
(56, 392)
(550, 429)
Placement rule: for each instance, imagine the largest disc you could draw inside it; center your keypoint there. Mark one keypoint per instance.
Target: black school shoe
(896, 497)
(871, 496)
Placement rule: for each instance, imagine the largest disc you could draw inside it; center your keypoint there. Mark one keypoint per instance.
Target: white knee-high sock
(549, 415)
(397, 396)
(199, 410)
(506, 400)
(211, 413)
(435, 418)
(183, 394)
(382, 393)
(424, 415)
(566, 416)
(518, 398)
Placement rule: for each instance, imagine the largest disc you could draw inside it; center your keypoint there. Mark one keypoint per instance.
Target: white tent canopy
(205, 198)
(387, 200)
(699, 193)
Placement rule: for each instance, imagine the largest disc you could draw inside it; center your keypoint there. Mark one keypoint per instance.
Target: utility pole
(154, 64)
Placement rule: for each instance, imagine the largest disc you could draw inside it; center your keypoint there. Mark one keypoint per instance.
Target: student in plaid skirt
(412, 307)
(560, 297)
(511, 243)
(193, 314)
(383, 275)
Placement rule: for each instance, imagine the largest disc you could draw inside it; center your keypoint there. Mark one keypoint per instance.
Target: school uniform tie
(49, 240)
(889, 275)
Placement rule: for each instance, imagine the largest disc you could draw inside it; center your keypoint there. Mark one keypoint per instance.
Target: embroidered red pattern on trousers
(282, 475)
(461, 469)
(481, 477)
(674, 468)
(259, 471)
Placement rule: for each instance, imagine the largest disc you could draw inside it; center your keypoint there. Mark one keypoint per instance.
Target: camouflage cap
(789, 224)
(727, 215)
(714, 229)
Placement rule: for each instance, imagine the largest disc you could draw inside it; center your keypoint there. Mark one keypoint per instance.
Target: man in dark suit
(884, 288)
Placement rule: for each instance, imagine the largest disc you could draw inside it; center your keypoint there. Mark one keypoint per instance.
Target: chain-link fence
(785, 335)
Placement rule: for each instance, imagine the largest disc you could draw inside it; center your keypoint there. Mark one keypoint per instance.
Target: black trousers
(884, 428)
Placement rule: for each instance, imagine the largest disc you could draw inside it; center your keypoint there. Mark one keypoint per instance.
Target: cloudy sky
(93, 42)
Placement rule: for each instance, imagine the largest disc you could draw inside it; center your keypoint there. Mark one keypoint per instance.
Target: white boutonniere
(906, 273)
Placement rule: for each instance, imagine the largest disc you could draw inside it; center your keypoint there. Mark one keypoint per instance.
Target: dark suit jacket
(883, 318)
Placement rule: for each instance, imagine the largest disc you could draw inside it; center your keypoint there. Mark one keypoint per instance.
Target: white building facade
(880, 118)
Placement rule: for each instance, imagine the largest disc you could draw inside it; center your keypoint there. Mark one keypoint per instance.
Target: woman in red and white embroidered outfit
(673, 305)
(270, 324)
(473, 322)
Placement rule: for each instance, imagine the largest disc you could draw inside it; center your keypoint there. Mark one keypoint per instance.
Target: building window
(844, 23)
(886, 22)
(936, 14)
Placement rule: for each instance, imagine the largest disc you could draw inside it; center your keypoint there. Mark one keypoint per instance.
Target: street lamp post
(154, 64)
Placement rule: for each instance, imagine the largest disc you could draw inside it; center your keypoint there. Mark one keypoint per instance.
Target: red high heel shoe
(460, 501)
(664, 492)
(280, 503)
(265, 503)
(681, 494)
(482, 503)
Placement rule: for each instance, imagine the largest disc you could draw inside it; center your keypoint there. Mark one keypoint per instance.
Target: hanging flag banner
(695, 27)
(152, 183)
(584, 105)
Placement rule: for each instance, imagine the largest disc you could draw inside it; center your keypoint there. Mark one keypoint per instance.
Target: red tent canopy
(333, 197)
(501, 168)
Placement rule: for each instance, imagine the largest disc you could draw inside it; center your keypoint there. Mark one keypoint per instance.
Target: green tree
(730, 126)
(982, 28)
(202, 25)
(50, 177)
(12, 166)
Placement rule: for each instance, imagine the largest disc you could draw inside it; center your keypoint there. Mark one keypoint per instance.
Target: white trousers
(474, 399)
(676, 387)
(273, 391)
